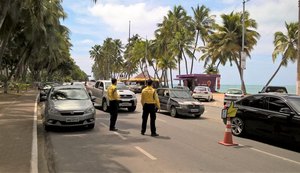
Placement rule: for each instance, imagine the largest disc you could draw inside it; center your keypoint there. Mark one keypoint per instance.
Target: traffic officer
(113, 97)
(150, 103)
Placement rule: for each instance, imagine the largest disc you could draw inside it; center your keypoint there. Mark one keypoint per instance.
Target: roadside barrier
(228, 136)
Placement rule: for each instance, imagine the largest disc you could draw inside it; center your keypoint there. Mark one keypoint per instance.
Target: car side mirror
(43, 98)
(93, 98)
(286, 111)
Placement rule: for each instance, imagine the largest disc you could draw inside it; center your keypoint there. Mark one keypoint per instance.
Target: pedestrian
(150, 103)
(113, 97)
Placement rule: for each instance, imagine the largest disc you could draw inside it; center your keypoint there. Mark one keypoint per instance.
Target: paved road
(184, 145)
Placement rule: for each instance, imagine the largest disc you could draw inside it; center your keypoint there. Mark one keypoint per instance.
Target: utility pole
(298, 49)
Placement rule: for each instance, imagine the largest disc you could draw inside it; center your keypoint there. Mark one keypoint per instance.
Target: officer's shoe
(154, 134)
(114, 129)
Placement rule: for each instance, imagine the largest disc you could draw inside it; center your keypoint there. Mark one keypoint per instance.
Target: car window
(160, 92)
(97, 84)
(295, 103)
(69, 94)
(180, 94)
(200, 89)
(107, 84)
(275, 104)
(234, 91)
(122, 86)
(252, 101)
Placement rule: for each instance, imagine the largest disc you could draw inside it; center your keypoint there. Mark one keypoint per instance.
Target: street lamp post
(243, 58)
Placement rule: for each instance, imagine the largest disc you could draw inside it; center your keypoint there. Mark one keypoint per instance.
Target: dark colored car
(179, 102)
(276, 89)
(271, 115)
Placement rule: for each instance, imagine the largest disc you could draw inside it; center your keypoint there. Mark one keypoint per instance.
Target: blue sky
(90, 24)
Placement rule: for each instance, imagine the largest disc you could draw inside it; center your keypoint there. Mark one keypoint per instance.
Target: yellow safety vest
(112, 92)
(150, 96)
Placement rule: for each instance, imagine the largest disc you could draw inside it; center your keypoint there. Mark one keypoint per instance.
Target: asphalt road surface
(184, 145)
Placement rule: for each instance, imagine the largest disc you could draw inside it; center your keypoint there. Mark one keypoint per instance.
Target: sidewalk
(16, 131)
(217, 102)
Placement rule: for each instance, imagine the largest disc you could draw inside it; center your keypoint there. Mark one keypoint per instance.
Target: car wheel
(237, 126)
(104, 106)
(47, 128)
(197, 116)
(91, 126)
(173, 111)
(131, 109)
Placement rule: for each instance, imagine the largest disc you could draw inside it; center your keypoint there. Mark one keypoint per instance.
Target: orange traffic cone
(228, 136)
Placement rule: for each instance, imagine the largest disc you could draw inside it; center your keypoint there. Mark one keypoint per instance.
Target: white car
(99, 90)
(233, 94)
(202, 92)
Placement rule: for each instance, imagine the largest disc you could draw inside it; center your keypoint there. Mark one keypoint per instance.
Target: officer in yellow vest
(150, 102)
(113, 97)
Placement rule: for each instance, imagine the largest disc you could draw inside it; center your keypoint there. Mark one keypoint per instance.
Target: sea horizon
(253, 89)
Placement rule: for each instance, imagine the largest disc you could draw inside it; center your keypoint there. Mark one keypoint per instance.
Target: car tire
(47, 128)
(131, 109)
(237, 126)
(173, 112)
(105, 107)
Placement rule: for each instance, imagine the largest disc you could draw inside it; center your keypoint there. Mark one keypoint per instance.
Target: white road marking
(104, 125)
(161, 120)
(118, 134)
(34, 149)
(273, 155)
(146, 153)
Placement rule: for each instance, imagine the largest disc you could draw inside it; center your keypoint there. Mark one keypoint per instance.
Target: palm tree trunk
(243, 87)
(179, 71)
(298, 48)
(185, 60)
(171, 77)
(196, 43)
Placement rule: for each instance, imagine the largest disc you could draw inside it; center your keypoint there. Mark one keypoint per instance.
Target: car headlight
(53, 111)
(89, 110)
(134, 96)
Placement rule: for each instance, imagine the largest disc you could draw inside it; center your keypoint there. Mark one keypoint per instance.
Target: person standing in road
(150, 103)
(113, 97)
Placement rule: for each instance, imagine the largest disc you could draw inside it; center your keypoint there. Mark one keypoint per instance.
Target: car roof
(67, 86)
(283, 95)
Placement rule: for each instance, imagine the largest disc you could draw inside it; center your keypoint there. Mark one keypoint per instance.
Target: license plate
(125, 104)
(71, 120)
(194, 110)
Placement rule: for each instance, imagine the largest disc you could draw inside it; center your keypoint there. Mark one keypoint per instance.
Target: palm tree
(225, 44)
(285, 45)
(203, 24)
(211, 69)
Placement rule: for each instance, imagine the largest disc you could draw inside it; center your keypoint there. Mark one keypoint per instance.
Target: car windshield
(69, 94)
(122, 86)
(234, 91)
(200, 89)
(180, 94)
(295, 103)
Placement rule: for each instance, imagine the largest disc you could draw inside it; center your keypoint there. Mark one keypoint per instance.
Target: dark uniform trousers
(149, 108)
(114, 106)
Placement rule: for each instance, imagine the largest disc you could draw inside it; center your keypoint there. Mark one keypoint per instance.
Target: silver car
(202, 92)
(233, 94)
(67, 106)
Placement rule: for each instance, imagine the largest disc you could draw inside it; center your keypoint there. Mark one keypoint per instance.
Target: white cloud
(143, 19)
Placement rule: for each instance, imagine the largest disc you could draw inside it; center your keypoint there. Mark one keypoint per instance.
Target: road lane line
(104, 125)
(145, 153)
(161, 120)
(34, 149)
(118, 134)
(273, 155)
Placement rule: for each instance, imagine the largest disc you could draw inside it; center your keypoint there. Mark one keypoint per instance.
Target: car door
(257, 116)
(163, 99)
(286, 123)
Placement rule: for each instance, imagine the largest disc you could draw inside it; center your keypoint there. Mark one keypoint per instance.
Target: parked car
(184, 88)
(268, 114)
(99, 90)
(233, 94)
(179, 102)
(68, 105)
(202, 92)
(44, 88)
(277, 89)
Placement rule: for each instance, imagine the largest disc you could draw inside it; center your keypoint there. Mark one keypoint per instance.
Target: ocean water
(253, 89)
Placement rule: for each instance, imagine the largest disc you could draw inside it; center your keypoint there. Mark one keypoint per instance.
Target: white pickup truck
(99, 90)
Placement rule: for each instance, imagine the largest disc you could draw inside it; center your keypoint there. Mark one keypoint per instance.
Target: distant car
(179, 102)
(67, 106)
(202, 92)
(270, 115)
(277, 89)
(233, 94)
(44, 89)
(135, 88)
